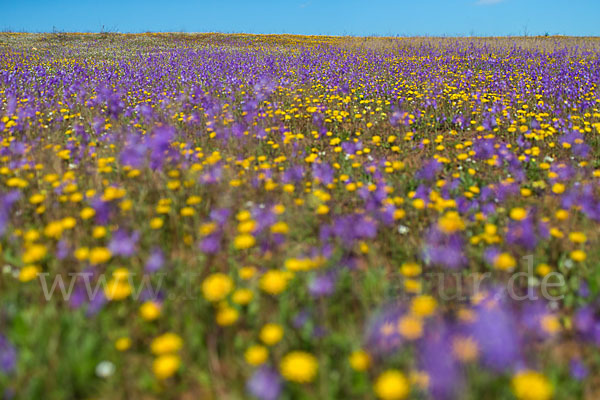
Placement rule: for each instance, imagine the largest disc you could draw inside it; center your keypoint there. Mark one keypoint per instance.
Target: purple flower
(103, 211)
(8, 355)
(438, 362)
(160, 144)
(522, 233)
(155, 261)
(265, 384)
(294, 174)
(585, 320)
(134, 152)
(383, 336)
(350, 228)
(584, 289)
(264, 217)
(321, 286)
(300, 319)
(324, 173)
(351, 147)
(496, 333)
(6, 203)
(211, 244)
(445, 250)
(429, 171)
(220, 215)
(97, 301)
(78, 296)
(484, 149)
(62, 250)
(123, 244)
(578, 369)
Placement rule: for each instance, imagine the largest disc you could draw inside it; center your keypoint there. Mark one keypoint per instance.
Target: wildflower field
(286, 217)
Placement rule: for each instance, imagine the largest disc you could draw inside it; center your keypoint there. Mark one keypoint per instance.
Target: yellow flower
(256, 355)
(244, 241)
(322, 209)
(578, 255)
(299, 366)
(173, 185)
(192, 200)
(242, 296)
(216, 287)
(543, 269)
(419, 379)
(271, 334)
(577, 237)
(555, 232)
(518, 214)
(166, 343)
(412, 286)
(280, 227)
(54, 229)
(550, 324)
(150, 310)
(410, 327)
(31, 235)
(34, 253)
(207, 228)
(410, 269)
(360, 360)
(465, 348)
(37, 198)
(87, 213)
(399, 214)
(247, 226)
(423, 306)
(391, 385)
(187, 212)
(363, 247)
(247, 273)
(558, 188)
(227, 316)
(504, 261)
(99, 255)
(562, 215)
(451, 222)
(68, 223)
(122, 343)
(156, 223)
(419, 204)
(82, 253)
(299, 264)
(273, 281)
(29, 273)
(243, 215)
(118, 288)
(166, 366)
(531, 385)
(99, 232)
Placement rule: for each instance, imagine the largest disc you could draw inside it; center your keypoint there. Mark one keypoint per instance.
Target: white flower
(403, 230)
(532, 281)
(105, 369)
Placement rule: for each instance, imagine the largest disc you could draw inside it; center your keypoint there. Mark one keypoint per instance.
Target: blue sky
(334, 17)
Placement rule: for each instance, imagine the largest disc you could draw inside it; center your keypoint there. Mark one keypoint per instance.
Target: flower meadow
(286, 217)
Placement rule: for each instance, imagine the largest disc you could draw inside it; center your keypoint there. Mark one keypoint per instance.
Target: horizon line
(374, 35)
